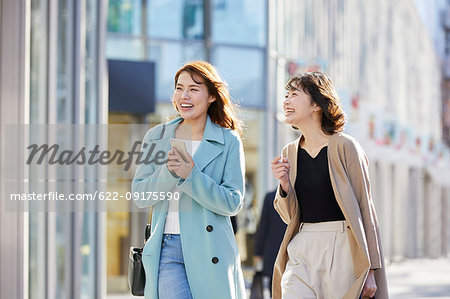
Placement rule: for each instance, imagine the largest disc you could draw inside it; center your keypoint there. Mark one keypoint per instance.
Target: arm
(151, 178)
(227, 197)
(358, 171)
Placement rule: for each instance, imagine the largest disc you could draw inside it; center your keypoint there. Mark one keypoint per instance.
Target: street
(419, 279)
(409, 279)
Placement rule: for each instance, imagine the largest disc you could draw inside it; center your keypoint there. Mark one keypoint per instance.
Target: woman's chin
(190, 115)
(186, 115)
(288, 120)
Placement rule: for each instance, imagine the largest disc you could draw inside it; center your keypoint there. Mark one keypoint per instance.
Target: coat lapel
(292, 158)
(208, 149)
(167, 131)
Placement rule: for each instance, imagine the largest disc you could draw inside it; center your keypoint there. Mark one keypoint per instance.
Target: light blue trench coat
(213, 191)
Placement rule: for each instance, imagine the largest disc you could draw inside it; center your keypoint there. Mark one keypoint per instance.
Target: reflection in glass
(169, 57)
(38, 62)
(243, 69)
(90, 62)
(88, 244)
(240, 22)
(38, 99)
(64, 63)
(124, 16)
(127, 48)
(88, 261)
(181, 19)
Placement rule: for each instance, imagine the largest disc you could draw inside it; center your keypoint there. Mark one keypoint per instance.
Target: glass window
(240, 22)
(90, 63)
(244, 71)
(169, 57)
(64, 63)
(88, 256)
(62, 250)
(124, 16)
(124, 48)
(181, 19)
(38, 63)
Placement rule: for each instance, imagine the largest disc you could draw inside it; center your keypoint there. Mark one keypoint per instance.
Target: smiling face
(191, 98)
(298, 107)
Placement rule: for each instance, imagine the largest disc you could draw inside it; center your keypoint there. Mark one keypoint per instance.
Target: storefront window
(124, 16)
(53, 235)
(128, 48)
(243, 69)
(169, 57)
(181, 19)
(241, 22)
(64, 64)
(38, 91)
(90, 62)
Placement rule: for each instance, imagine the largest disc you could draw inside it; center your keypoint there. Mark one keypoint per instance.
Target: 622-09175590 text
(102, 195)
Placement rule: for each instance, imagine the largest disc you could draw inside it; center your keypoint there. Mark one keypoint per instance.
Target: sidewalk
(409, 279)
(423, 278)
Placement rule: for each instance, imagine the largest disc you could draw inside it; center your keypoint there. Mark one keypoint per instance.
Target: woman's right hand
(280, 169)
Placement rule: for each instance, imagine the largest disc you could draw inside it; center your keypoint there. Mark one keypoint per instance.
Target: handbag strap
(148, 231)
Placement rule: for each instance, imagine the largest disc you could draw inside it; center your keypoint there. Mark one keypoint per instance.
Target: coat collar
(293, 153)
(213, 132)
(208, 149)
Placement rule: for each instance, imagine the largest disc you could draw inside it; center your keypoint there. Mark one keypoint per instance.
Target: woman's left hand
(176, 164)
(370, 286)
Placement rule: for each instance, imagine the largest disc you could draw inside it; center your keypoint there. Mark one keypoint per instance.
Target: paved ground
(410, 279)
(420, 279)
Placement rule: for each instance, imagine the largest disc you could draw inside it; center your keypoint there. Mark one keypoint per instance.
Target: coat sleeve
(285, 203)
(358, 171)
(226, 198)
(156, 179)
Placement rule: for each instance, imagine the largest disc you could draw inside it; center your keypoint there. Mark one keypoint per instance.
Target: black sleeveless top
(313, 188)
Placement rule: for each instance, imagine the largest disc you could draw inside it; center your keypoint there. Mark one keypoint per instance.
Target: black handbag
(136, 272)
(257, 289)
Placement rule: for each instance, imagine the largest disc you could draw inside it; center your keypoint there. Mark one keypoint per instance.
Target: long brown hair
(322, 92)
(222, 111)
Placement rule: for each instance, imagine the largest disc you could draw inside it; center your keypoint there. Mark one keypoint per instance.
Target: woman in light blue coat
(192, 251)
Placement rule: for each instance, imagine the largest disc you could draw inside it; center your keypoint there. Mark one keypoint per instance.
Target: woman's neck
(313, 136)
(191, 129)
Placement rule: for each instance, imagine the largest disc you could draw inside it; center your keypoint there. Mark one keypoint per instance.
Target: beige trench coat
(348, 166)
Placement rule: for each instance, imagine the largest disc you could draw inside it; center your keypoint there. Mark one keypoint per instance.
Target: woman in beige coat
(331, 248)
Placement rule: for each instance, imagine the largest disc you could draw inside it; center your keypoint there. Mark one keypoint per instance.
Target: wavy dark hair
(322, 92)
(222, 111)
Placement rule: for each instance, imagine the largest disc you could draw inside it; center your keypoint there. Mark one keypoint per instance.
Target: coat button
(209, 228)
(215, 260)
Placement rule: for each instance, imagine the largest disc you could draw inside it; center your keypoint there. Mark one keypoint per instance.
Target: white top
(172, 225)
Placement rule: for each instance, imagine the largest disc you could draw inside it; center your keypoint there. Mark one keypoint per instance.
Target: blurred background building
(388, 59)
(384, 63)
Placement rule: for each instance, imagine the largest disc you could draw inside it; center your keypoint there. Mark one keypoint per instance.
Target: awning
(131, 86)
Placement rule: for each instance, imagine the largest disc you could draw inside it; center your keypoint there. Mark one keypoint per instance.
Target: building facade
(387, 73)
(232, 35)
(53, 73)
(445, 21)
(54, 57)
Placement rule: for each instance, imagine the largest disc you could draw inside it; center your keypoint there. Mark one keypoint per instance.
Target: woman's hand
(370, 286)
(280, 171)
(177, 165)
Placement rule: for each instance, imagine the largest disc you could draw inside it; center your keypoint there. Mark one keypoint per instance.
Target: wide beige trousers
(320, 262)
